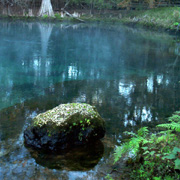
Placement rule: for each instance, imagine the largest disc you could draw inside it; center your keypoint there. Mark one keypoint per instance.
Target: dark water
(132, 76)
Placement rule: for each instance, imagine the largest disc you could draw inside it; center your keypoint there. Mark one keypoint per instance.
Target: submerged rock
(65, 126)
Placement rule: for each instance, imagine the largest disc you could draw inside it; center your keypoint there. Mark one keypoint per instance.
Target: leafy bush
(45, 16)
(58, 16)
(133, 145)
(175, 122)
(175, 155)
(153, 155)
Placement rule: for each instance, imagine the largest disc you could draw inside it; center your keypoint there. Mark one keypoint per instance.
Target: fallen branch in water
(70, 15)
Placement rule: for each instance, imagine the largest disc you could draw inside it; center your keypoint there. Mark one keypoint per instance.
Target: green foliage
(142, 132)
(153, 156)
(157, 178)
(133, 145)
(88, 121)
(45, 16)
(80, 136)
(175, 155)
(175, 122)
(176, 24)
(166, 17)
(58, 16)
(108, 177)
(74, 124)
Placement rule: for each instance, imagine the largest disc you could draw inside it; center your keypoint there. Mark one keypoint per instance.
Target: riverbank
(167, 18)
(113, 106)
(161, 18)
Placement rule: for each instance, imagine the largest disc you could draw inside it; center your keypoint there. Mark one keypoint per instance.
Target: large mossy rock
(65, 126)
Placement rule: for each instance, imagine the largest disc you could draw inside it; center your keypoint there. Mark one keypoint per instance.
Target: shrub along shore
(155, 155)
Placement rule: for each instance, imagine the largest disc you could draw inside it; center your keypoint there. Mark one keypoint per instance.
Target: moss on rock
(65, 125)
(66, 114)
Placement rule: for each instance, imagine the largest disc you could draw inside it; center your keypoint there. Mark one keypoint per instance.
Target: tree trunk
(46, 8)
(30, 13)
(4, 11)
(92, 8)
(24, 12)
(9, 11)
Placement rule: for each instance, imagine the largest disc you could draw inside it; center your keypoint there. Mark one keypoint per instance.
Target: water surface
(131, 75)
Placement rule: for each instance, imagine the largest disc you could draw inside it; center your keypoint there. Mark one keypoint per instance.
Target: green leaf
(171, 156)
(156, 178)
(143, 131)
(152, 153)
(146, 152)
(168, 178)
(145, 141)
(175, 150)
(176, 23)
(130, 133)
(177, 164)
(145, 148)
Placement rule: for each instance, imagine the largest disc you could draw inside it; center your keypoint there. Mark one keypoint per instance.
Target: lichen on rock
(64, 126)
(60, 114)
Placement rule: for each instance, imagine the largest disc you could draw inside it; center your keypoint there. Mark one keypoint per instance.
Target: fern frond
(172, 126)
(132, 146)
(174, 118)
(143, 131)
(129, 133)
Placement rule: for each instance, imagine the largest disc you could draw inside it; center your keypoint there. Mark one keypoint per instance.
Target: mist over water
(131, 75)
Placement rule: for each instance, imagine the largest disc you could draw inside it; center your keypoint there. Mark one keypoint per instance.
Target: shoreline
(159, 19)
(131, 21)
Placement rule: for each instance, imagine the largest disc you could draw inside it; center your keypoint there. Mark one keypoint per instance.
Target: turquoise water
(131, 75)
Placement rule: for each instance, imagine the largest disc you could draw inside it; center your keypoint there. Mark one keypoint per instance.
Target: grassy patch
(167, 18)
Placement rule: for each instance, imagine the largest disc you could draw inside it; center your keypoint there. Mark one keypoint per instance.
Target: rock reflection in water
(131, 76)
(77, 159)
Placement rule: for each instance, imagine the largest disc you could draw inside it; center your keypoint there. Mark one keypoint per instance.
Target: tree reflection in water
(131, 76)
